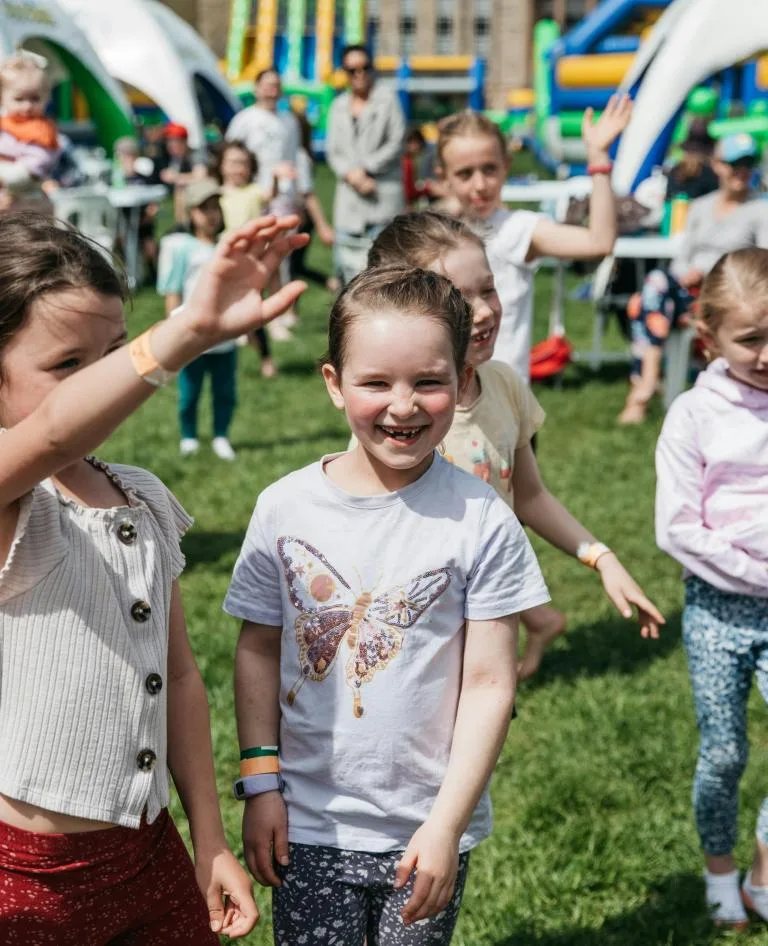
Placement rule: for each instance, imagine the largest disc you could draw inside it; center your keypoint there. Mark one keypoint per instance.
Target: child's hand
(326, 234)
(265, 837)
(598, 136)
(434, 853)
(226, 301)
(624, 591)
(227, 891)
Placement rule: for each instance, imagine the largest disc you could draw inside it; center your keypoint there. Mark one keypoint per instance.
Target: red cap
(174, 130)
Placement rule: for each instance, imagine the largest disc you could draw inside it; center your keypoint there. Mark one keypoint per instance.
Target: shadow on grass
(608, 646)
(674, 915)
(317, 436)
(211, 548)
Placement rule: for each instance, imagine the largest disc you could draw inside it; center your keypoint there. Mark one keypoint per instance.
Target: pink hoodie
(712, 483)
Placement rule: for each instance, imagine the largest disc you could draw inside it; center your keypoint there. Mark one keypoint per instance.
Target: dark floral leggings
(726, 640)
(331, 897)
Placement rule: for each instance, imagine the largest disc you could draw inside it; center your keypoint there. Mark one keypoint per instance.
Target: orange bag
(550, 357)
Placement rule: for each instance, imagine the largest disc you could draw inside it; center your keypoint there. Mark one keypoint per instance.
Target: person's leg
(352, 254)
(543, 624)
(385, 925)
(223, 370)
(660, 303)
(322, 899)
(190, 382)
(756, 881)
(721, 664)
(260, 341)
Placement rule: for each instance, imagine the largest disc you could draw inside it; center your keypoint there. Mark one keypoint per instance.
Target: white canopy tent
(146, 45)
(45, 28)
(694, 40)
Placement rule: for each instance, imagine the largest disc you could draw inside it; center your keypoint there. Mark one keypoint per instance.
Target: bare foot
(633, 413)
(268, 368)
(542, 624)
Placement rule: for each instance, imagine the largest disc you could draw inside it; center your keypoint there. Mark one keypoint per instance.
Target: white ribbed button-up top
(84, 606)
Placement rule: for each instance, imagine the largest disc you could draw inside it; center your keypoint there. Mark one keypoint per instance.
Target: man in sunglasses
(364, 144)
(732, 217)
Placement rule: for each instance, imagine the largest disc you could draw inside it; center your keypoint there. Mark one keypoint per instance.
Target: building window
(444, 26)
(407, 35)
(481, 28)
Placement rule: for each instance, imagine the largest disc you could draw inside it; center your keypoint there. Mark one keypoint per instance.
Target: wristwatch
(589, 553)
(251, 785)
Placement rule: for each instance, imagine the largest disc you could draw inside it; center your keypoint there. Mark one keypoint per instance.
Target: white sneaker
(189, 446)
(724, 900)
(223, 448)
(279, 331)
(756, 898)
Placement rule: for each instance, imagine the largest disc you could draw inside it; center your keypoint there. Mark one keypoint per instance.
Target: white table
(133, 198)
(130, 198)
(638, 248)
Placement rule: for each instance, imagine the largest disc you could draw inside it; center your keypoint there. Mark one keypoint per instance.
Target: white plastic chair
(90, 211)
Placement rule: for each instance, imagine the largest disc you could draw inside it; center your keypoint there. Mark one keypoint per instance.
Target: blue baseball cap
(735, 148)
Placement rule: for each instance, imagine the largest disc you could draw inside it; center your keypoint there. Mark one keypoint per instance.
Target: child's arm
(172, 302)
(315, 211)
(482, 718)
(680, 528)
(84, 409)
(539, 509)
(596, 240)
(224, 883)
(257, 704)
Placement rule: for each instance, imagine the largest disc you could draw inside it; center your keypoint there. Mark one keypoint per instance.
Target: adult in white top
(274, 137)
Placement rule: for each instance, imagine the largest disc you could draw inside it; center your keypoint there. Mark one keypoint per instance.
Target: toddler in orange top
(29, 141)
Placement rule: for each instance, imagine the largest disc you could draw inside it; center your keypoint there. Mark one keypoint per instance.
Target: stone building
(497, 30)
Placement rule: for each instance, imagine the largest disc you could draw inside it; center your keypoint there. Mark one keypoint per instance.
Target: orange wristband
(145, 363)
(266, 765)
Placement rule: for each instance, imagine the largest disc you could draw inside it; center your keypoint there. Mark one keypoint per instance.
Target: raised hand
(227, 298)
(598, 136)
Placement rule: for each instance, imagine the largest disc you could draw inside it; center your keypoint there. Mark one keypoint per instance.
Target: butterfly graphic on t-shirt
(330, 612)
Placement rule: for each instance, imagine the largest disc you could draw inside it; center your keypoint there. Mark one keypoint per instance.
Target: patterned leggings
(654, 312)
(331, 897)
(726, 640)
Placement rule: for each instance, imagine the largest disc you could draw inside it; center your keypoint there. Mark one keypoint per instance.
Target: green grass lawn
(594, 843)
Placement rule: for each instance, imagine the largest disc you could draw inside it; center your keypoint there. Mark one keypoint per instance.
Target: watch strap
(252, 785)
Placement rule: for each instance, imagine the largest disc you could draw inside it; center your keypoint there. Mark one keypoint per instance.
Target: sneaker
(724, 900)
(223, 448)
(279, 331)
(189, 446)
(755, 898)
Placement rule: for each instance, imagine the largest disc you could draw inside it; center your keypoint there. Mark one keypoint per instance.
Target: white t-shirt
(507, 235)
(272, 136)
(365, 738)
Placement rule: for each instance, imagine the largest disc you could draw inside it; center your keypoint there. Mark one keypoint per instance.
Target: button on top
(126, 532)
(146, 759)
(154, 683)
(141, 611)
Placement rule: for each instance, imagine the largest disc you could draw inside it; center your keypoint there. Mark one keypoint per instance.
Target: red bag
(550, 357)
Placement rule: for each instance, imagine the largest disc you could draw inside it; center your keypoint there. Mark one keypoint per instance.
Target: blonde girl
(100, 696)
(472, 159)
(711, 515)
(379, 591)
(497, 415)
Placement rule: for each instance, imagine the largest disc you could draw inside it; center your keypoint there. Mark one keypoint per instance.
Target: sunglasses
(358, 70)
(743, 164)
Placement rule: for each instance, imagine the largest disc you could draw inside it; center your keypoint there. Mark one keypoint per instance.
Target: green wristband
(258, 752)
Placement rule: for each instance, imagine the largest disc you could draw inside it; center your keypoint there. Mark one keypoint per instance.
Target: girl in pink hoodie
(712, 516)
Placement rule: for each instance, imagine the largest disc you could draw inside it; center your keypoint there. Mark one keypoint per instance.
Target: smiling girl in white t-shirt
(375, 671)
(472, 159)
